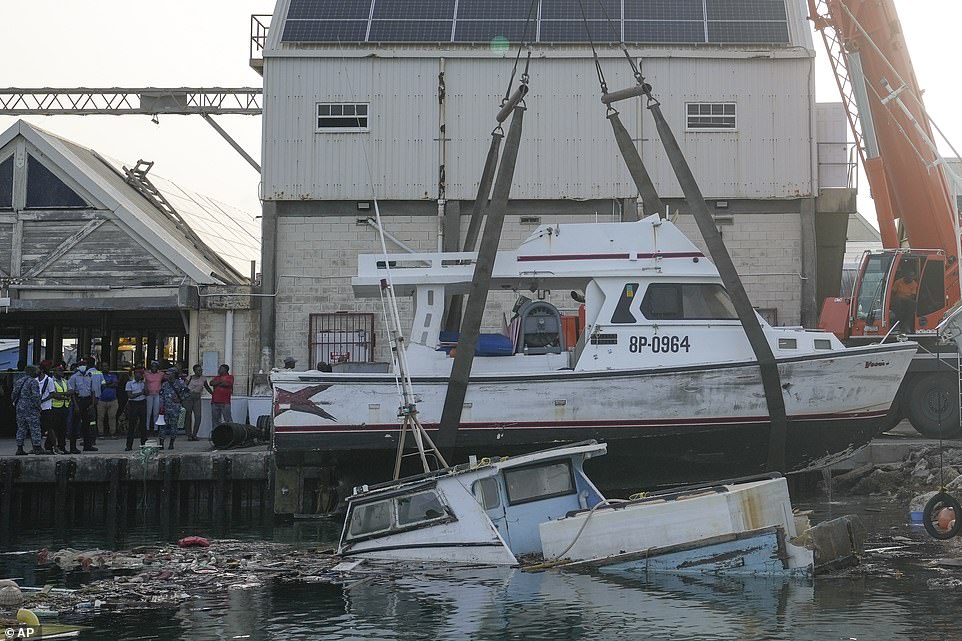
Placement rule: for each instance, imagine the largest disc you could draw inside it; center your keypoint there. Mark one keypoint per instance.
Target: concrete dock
(117, 489)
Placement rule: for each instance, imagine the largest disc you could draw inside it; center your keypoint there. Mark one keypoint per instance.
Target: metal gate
(341, 337)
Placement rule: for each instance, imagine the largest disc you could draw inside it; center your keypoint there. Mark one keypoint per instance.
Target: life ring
(934, 515)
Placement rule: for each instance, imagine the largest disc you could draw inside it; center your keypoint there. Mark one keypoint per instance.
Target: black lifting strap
(478, 292)
(771, 381)
(453, 321)
(650, 202)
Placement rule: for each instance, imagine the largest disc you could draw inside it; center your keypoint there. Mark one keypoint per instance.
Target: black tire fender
(922, 400)
(936, 503)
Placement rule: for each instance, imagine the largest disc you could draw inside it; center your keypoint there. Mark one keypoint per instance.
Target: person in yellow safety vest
(60, 405)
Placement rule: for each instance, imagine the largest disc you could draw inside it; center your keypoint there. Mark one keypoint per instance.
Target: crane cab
(904, 289)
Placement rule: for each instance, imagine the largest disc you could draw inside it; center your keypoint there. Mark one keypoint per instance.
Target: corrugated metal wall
(568, 152)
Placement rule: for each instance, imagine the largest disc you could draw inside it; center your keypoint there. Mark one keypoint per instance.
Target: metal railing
(260, 26)
(838, 165)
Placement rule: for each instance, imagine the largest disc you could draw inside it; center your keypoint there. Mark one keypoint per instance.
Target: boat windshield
(871, 293)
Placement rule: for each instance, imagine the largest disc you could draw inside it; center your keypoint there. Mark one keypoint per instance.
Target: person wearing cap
(152, 379)
(290, 362)
(136, 408)
(26, 398)
(60, 406)
(81, 388)
(173, 393)
(107, 405)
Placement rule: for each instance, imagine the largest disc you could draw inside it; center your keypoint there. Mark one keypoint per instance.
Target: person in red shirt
(222, 386)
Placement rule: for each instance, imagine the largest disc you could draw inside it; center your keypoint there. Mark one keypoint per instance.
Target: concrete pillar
(193, 339)
(229, 338)
(139, 351)
(268, 284)
(49, 352)
(57, 340)
(151, 348)
(114, 354)
(809, 253)
(37, 353)
(24, 344)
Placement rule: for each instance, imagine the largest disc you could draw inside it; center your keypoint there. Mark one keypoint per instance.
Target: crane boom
(904, 169)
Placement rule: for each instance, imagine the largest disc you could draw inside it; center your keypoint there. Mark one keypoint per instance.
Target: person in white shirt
(47, 418)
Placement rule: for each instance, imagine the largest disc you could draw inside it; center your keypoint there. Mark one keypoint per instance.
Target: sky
(204, 43)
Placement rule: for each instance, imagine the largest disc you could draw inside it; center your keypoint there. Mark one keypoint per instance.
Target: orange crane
(909, 286)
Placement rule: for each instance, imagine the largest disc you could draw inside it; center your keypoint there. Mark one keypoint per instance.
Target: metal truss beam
(83, 101)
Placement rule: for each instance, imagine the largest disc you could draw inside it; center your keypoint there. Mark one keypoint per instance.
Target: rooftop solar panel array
(557, 21)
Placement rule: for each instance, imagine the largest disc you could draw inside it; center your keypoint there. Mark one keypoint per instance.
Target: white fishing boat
(659, 367)
(542, 510)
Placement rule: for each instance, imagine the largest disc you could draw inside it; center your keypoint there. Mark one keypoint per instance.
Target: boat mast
(408, 410)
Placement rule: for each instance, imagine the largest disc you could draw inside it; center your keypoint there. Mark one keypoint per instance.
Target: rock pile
(925, 468)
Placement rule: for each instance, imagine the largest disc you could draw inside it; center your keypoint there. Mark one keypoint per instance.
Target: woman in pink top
(153, 379)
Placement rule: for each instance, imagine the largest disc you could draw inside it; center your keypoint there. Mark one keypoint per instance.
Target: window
(823, 343)
(370, 519)
(622, 315)
(872, 288)
(341, 337)
(486, 491)
(46, 191)
(932, 288)
(787, 343)
(418, 508)
(539, 482)
(694, 301)
(6, 183)
(711, 116)
(342, 117)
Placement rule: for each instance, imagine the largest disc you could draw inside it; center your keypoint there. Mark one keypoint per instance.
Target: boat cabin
(609, 296)
(487, 513)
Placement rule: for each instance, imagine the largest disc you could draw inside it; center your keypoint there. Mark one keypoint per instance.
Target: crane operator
(905, 290)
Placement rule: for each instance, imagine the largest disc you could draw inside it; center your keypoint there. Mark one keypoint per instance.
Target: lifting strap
(771, 380)
(512, 105)
(478, 293)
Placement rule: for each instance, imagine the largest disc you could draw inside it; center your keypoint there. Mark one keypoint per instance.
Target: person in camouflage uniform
(26, 398)
(173, 392)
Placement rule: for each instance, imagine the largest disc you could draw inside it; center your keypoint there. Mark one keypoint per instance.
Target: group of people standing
(52, 407)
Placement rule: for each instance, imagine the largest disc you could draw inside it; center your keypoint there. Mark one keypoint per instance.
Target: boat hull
(662, 426)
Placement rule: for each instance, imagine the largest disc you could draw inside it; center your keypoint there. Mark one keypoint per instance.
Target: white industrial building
(397, 99)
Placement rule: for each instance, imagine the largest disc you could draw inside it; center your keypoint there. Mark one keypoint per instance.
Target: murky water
(893, 601)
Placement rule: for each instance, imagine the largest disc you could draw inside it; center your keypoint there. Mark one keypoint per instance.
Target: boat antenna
(407, 410)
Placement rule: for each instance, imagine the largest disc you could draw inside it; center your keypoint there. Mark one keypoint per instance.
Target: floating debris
(165, 576)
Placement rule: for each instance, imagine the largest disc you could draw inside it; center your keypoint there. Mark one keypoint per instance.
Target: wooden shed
(106, 259)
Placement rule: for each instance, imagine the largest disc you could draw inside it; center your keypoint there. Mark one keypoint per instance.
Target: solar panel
(574, 31)
(656, 21)
(324, 31)
(664, 31)
(329, 10)
(494, 10)
(410, 31)
(414, 10)
(748, 32)
(572, 9)
(488, 30)
(664, 10)
(750, 10)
